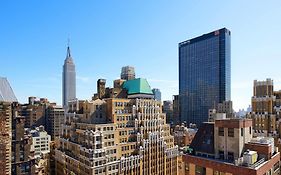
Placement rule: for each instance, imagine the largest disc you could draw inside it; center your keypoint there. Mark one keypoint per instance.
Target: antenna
(68, 41)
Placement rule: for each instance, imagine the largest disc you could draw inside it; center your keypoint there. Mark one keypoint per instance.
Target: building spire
(68, 55)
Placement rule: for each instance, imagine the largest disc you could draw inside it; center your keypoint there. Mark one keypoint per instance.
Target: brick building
(226, 147)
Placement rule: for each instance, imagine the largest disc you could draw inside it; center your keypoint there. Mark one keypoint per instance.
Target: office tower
(123, 133)
(227, 147)
(68, 80)
(157, 94)
(7, 97)
(204, 74)
(54, 121)
(128, 73)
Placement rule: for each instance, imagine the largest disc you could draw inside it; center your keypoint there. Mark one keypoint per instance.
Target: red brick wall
(234, 123)
(261, 149)
(229, 168)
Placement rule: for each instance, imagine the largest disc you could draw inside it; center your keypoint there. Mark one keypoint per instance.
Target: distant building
(168, 110)
(266, 107)
(68, 80)
(40, 142)
(54, 120)
(176, 110)
(221, 111)
(263, 97)
(204, 74)
(183, 135)
(23, 160)
(227, 147)
(214, 115)
(7, 97)
(128, 73)
(157, 94)
(34, 112)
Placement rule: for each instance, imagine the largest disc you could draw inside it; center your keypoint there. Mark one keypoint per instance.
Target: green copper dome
(137, 86)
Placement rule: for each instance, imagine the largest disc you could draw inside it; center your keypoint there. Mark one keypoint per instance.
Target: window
(200, 170)
(221, 131)
(221, 155)
(250, 130)
(230, 156)
(216, 172)
(230, 132)
(242, 131)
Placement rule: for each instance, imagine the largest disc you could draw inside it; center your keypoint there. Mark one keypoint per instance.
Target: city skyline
(34, 46)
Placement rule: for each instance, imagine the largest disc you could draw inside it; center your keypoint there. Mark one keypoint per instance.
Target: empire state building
(68, 80)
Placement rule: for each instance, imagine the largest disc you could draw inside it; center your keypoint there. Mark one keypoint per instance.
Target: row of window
(107, 128)
(109, 136)
(121, 111)
(121, 104)
(112, 151)
(123, 118)
(230, 131)
(109, 143)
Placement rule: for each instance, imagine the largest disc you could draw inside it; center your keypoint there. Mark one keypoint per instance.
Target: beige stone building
(266, 109)
(122, 130)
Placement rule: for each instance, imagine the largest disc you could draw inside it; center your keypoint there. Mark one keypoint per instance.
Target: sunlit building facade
(124, 135)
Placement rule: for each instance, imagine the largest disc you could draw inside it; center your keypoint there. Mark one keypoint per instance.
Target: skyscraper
(204, 74)
(69, 79)
(157, 94)
(128, 73)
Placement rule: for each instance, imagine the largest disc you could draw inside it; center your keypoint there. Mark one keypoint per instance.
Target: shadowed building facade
(204, 74)
(7, 97)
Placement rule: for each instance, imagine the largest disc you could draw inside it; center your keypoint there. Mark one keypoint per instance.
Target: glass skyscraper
(204, 74)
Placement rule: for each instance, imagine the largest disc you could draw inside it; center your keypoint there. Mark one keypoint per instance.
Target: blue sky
(106, 35)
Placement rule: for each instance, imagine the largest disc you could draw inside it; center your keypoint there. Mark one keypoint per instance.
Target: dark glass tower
(204, 74)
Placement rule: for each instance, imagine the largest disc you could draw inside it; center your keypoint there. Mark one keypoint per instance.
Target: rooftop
(204, 139)
(6, 91)
(137, 86)
(204, 37)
